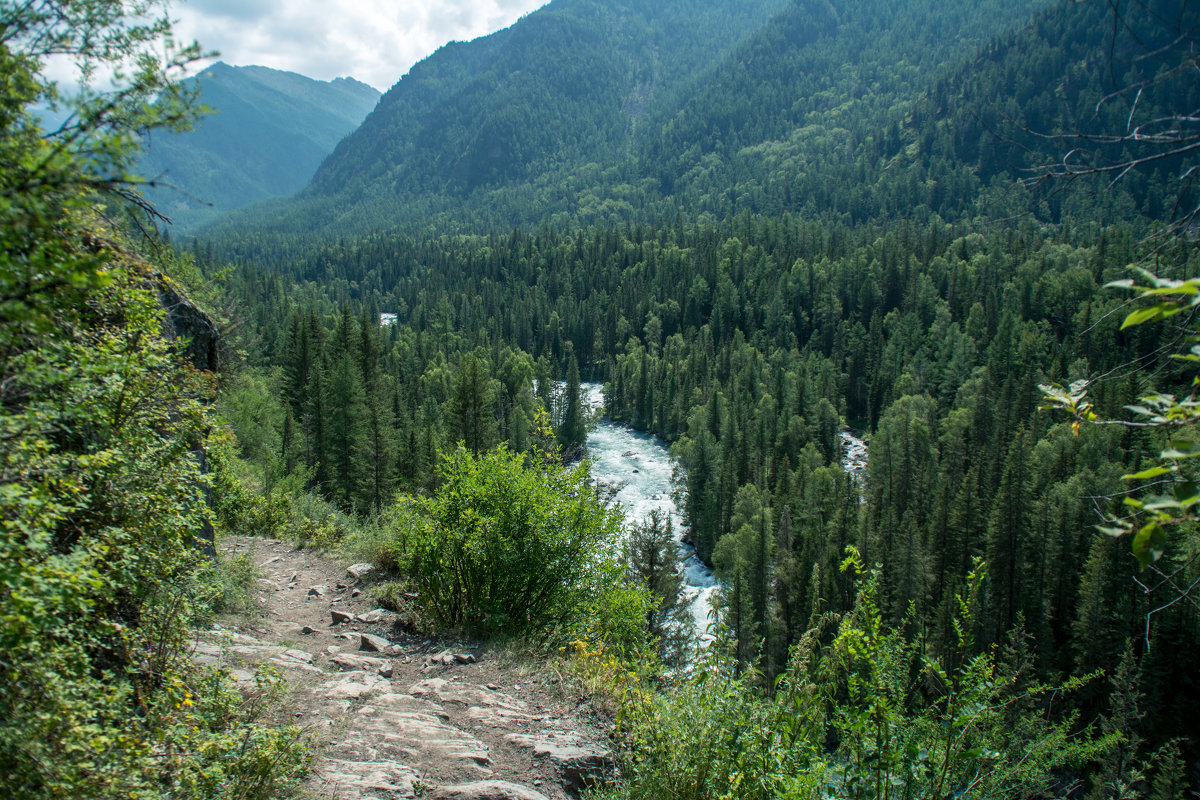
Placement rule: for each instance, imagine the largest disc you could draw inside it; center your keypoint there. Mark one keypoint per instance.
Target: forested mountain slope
(888, 131)
(851, 69)
(559, 92)
(590, 112)
(828, 228)
(268, 133)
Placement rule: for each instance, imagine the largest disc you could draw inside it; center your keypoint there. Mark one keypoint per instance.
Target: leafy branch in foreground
(1152, 65)
(101, 501)
(127, 64)
(1168, 491)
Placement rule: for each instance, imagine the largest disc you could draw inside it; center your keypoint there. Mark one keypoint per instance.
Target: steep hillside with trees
(592, 112)
(104, 424)
(556, 95)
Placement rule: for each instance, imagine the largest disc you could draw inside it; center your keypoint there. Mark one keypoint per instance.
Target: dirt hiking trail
(395, 714)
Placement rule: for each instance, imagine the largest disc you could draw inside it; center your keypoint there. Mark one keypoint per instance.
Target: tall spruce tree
(471, 407)
(652, 560)
(572, 431)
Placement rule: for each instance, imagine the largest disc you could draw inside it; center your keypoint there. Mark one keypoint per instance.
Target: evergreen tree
(652, 559)
(347, 409)
(572, 431)
(377, 458)
(470, 414)
(742, 560)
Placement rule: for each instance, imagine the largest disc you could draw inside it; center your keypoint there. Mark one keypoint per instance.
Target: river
(854, 455)
(641, 465)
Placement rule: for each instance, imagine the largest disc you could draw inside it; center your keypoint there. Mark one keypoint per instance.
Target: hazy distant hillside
(269, 132)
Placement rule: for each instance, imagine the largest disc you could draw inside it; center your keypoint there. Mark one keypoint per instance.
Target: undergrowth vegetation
(503, 543)
(508, 546)
(860, 712)
(103, 423)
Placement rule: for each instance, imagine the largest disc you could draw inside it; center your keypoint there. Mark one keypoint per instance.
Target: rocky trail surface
(395, 714)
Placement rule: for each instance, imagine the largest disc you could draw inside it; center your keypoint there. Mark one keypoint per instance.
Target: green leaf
(1147, 314)
(1056, 393)
(1147, 474)
(1178, 288)
(1180, 448)
(1147, 274)
(1149, 544)
(1162, 502)
(1187, 494)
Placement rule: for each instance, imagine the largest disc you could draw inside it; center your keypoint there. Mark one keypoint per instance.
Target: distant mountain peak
(271, 131)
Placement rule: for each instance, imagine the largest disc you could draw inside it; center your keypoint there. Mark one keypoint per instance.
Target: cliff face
(184, 320)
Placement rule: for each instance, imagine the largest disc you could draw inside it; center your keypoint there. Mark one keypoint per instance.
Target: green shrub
(224, 586)
(507, 546)
(244, 507)
(101, 500)
(860, 714)
(374, 539)
(100, 507)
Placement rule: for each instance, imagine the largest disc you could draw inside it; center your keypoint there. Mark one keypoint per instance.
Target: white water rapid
(854, 455)
(642, 467)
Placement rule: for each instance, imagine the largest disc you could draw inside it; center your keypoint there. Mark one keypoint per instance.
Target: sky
(375, 41)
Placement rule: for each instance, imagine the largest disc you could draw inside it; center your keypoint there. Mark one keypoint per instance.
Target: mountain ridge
(270, 131)
(581, 112)
(559, 90)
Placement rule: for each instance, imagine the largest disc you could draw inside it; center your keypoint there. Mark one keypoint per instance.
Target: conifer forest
(960, 234)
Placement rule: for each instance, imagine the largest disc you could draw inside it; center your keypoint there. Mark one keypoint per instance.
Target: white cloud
(375, 41)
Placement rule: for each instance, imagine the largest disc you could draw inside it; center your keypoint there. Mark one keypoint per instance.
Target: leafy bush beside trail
(509, 545)
(860, 712)
(102, 505)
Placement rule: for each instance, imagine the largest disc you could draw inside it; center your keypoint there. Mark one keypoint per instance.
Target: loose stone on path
(488, 790)
(455, 737)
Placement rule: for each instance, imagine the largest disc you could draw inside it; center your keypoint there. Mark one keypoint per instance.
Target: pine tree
(652, 560)
(572, 432)
(1008, 537)
(316, 428)
(742, 561)
(470, 414)
(347, 411)
(377, 458)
